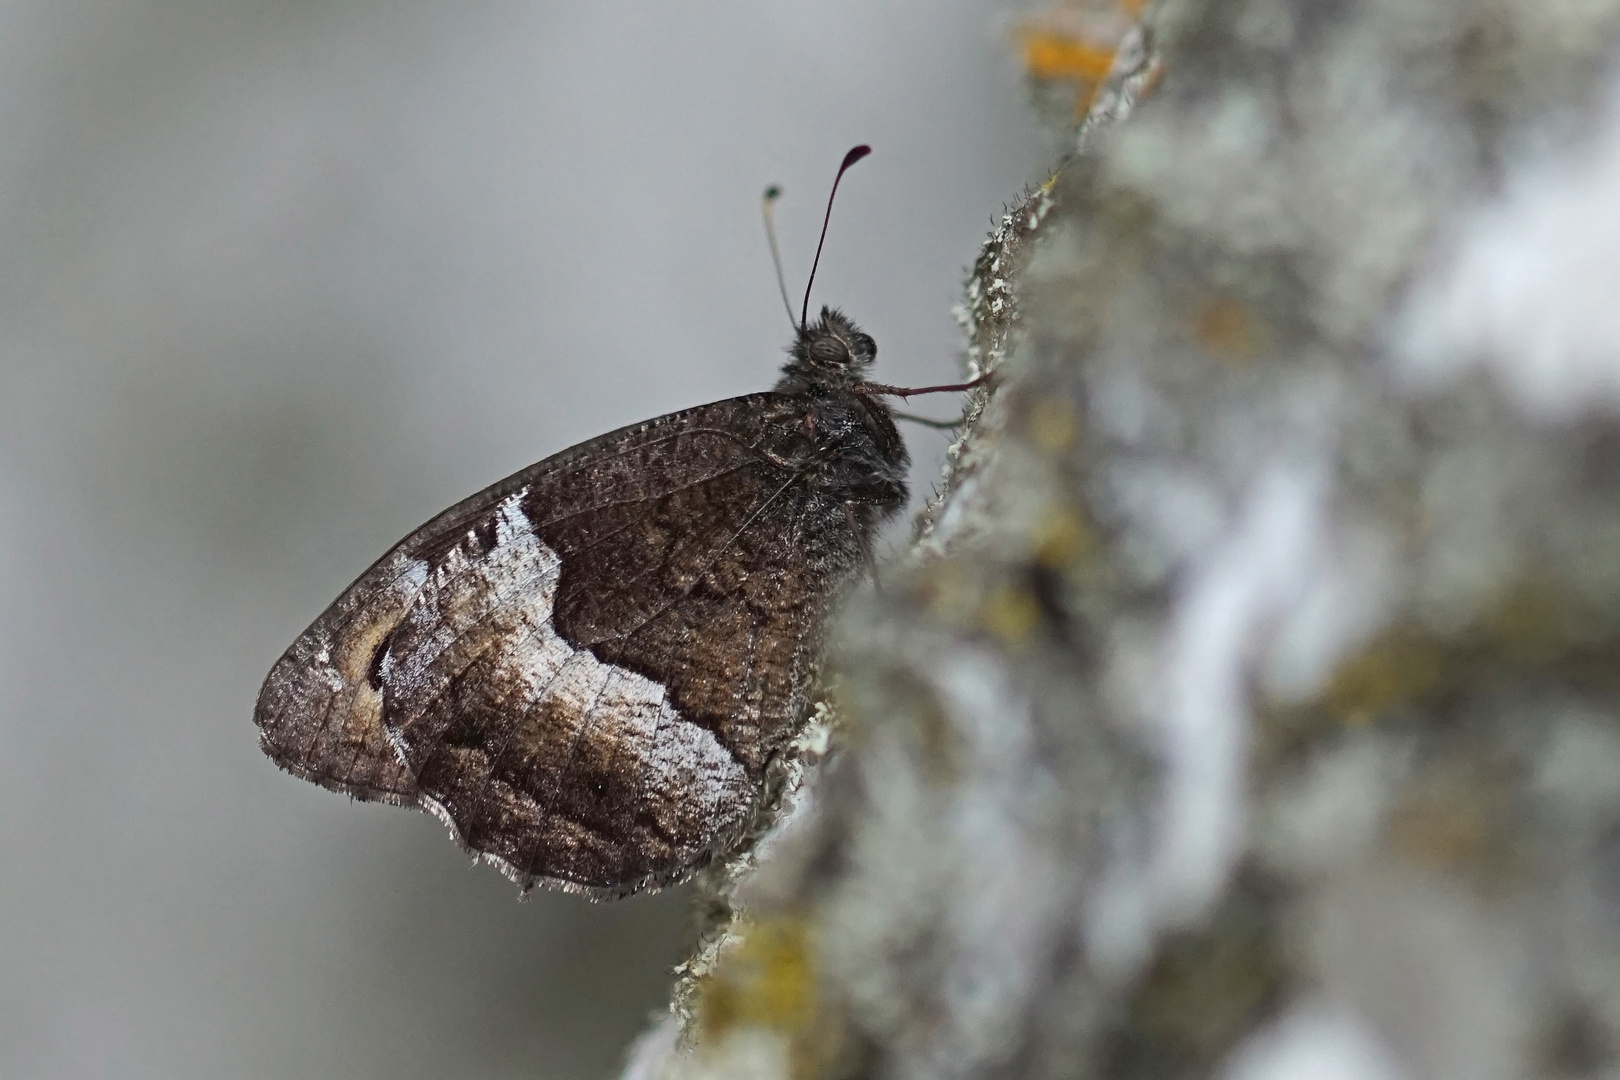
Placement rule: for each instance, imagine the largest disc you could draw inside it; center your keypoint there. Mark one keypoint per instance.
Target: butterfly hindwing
(586, 667)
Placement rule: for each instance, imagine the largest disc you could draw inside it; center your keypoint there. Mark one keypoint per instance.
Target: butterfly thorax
(851, 448)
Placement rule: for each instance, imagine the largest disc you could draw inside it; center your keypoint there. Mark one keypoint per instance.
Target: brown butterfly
(585, 668)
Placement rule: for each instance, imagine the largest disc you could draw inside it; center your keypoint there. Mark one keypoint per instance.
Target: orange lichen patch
(1228, 328)
(768, 980)
(1076, 42)
(1049, 55)
(1053, 424)
(1054, 57)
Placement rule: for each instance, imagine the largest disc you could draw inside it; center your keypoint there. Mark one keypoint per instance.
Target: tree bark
(1249, 701)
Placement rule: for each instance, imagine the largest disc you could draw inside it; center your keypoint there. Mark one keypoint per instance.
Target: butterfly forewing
(586, 667)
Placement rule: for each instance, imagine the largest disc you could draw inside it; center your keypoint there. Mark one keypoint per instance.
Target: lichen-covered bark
(1250, 703)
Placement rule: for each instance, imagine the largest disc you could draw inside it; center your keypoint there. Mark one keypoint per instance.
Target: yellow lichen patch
(1012, 613)
(1053, 424)
(1228, 328)
(1537, 629)
(947, 592)
(1541, 625)
(1399, 667)
(766, 980)
(1062, 539)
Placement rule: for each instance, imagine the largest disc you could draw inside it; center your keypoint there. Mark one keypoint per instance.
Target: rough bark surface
(1249, 704)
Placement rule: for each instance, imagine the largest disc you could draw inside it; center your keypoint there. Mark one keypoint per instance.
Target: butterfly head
(831, 352)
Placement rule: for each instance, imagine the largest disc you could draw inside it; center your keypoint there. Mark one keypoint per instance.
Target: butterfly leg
(868, 561)
(928, 421)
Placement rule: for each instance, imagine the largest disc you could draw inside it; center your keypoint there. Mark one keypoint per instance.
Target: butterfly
(585, 669)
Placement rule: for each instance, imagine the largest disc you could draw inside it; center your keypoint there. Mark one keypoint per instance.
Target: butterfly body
(586, 668)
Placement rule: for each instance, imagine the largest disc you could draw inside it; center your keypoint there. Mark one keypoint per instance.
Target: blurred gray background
(282, 280)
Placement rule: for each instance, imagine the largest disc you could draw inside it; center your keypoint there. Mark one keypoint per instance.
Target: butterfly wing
(584, 668)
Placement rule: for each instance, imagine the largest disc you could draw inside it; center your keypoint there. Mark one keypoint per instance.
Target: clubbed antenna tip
(855, 154)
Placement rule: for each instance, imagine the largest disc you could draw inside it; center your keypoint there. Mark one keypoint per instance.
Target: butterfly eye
(864, 347)
(829, 351)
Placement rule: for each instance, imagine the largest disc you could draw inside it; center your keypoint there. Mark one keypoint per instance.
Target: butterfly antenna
(849, 159)
(773, 193)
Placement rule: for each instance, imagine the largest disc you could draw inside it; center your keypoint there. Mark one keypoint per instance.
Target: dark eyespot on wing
(318, 714)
